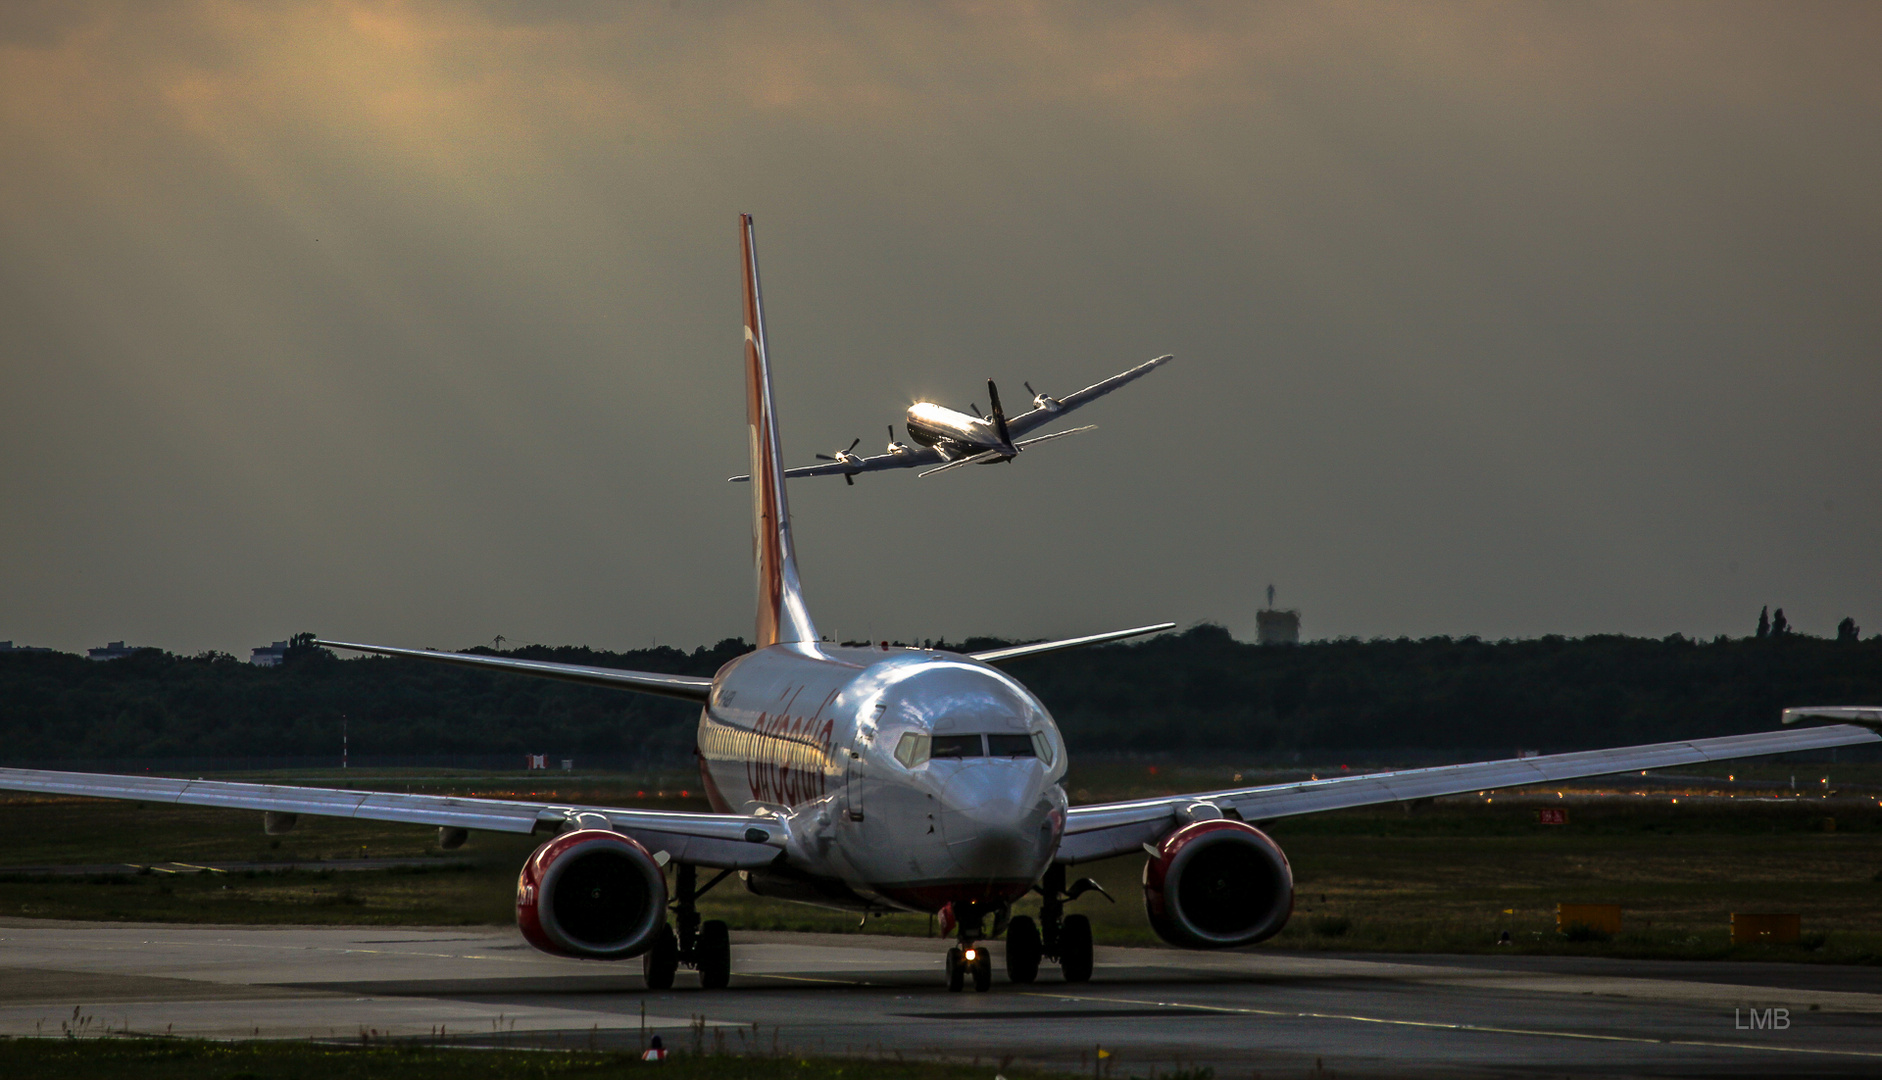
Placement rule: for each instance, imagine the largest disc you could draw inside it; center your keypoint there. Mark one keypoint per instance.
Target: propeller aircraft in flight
(883, 779)
(949, 439)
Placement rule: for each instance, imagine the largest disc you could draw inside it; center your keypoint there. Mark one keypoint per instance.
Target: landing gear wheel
(1023, 950)
(956, 970)
(659, 963)
(715, 956)
(1075, 949)
(983, 970)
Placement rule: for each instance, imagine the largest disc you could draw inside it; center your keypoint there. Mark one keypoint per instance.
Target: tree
(1764, 622)
(1847, 630)
(1779, 624)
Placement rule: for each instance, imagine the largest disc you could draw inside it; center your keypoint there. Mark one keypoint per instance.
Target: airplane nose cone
(995, 821)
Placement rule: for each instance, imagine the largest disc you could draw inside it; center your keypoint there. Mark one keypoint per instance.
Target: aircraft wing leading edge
(717, 840)
(684, 687)
(1105, 829)
(1027, 421)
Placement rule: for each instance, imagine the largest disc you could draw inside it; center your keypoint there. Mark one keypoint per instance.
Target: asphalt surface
(1265, 1013)
(222, 867)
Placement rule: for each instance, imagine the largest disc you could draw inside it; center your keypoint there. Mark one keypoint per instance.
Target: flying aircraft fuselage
(955, 434)
(912, 778)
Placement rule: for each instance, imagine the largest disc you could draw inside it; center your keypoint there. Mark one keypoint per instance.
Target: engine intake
(591, 893)
(1214, 884)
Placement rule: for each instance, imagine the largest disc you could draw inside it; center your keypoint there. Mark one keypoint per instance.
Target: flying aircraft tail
(782, 615)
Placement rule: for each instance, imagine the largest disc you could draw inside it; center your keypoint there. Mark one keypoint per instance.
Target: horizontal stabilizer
(685, 687)
(978, 459)
(1055, 435)
(1014, 652)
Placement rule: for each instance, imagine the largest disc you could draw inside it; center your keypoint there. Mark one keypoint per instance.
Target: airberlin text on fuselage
(789, 765)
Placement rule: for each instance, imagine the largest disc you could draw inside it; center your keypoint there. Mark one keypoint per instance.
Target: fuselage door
(853, 779)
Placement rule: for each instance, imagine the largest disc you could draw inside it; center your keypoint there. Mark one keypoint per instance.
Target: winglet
(1868, 716)
(782, 615)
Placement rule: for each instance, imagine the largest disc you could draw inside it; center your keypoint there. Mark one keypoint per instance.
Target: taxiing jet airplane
(881, 779)
(959, 439)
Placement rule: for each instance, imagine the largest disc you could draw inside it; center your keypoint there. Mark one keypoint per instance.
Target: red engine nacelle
(591, 893)
(1218, 883)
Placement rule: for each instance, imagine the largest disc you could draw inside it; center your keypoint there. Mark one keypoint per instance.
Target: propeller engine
(895, 447)
(1217, 883)
(1043, 401)
(848, 457)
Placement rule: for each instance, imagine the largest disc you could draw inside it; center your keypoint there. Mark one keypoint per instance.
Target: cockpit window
(1043, 744)
(912, 750)
(956, 746)
(1010, 746)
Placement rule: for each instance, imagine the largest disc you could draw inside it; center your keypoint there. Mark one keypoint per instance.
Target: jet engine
(591, 893)
(1217, 883)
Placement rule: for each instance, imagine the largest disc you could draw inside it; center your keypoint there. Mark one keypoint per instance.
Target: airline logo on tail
(782, 615)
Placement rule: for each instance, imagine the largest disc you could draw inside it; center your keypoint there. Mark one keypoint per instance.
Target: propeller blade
(853, 444)
(825, 457)
(1029, 389)
(999, 414)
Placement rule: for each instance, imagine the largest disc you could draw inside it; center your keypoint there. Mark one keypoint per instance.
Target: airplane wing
(876, 463)
(1028, 421)
(1106, 829)
(1014, 652)
(716, 840)
(685, 687)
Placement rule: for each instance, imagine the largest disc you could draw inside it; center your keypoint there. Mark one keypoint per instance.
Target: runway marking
(799, 978)
(1440, 1025)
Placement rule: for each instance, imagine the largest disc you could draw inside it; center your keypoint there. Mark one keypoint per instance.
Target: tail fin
(782, 615)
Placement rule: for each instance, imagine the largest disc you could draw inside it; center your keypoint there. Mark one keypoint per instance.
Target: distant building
(1276, 627)
(117, 650)
(8, 646)
(268, 655)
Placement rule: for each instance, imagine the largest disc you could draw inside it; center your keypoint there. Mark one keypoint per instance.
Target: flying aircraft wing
(717, 840)
(685, 687)
(1105, 829)
(906, 460)
(1027, 421)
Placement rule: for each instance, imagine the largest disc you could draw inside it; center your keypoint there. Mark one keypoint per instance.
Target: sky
(418, 323)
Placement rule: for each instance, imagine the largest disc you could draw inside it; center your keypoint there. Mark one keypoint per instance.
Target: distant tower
(1275, 627)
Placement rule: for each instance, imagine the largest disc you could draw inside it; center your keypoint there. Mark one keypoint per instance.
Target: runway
(1265, 1012)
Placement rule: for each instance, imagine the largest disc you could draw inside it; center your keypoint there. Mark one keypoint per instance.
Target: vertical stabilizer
(782, 615)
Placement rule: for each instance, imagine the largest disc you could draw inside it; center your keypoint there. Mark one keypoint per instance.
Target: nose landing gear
(704, 947)
(970, 961)
(1065, 939)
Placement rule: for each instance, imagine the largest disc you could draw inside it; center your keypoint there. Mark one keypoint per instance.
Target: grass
(1451, 877)
(193, 1059)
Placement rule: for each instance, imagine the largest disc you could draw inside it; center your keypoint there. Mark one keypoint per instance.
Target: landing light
(970, 954)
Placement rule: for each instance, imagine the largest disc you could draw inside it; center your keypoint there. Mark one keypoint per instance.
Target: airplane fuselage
(955, 434)
(911, 778)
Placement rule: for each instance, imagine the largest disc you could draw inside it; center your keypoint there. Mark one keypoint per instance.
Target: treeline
(1187, 694)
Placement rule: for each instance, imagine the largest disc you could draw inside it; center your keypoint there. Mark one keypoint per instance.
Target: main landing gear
(1057, 936)
(705, 947)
